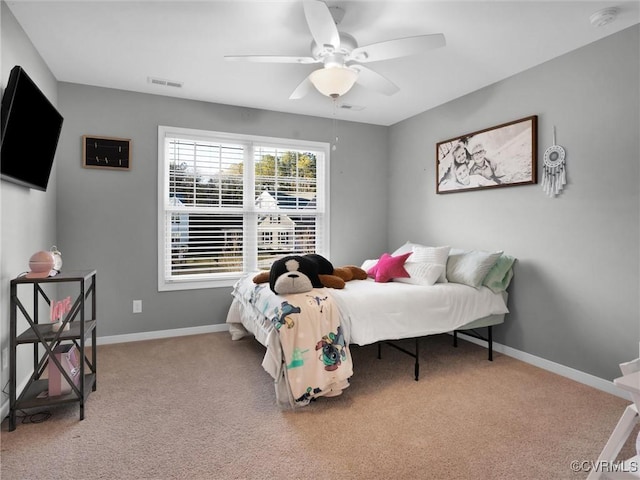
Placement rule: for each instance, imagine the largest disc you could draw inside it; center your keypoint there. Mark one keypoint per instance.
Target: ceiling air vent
(346, 106)
(164, 83)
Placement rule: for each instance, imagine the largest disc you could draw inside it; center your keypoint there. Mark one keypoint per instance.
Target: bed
(467, 294)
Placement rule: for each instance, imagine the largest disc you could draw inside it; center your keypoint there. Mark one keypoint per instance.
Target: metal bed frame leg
(416, 368)
(490, 342)
(474, 334)
(415, 355)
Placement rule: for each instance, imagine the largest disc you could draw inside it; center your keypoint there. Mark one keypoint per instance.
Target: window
(230, 204)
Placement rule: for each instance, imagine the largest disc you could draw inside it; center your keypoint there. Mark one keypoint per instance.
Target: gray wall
(28, 216)
(108, 220)
(574, 299)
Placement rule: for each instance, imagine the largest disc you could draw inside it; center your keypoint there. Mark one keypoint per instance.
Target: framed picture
(499, 156)
(106, 152)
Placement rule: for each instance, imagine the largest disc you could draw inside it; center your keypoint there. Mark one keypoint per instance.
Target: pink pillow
(389, 267)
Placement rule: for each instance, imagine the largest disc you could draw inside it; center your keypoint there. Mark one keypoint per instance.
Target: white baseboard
(177, 332)
(573, 374)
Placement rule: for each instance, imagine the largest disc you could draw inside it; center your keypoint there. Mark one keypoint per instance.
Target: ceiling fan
(341, 56)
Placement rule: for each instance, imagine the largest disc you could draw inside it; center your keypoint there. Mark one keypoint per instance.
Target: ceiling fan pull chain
(334, 147)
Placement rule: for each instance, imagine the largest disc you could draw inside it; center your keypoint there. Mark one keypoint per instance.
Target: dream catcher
(554, 176)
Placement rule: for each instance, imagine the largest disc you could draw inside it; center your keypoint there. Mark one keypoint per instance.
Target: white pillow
(470, 268)
(367, 264)
(407, 247)
(431, 255)
(422, 273)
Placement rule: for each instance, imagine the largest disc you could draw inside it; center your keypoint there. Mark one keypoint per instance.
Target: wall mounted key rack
(106, 152)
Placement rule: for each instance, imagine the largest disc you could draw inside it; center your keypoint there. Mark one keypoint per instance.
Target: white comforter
(373, 311)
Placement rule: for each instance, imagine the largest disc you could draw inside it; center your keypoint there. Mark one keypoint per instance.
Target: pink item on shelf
(67, 355)
(40, 264)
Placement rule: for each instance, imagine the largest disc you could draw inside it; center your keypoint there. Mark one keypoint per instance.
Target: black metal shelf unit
(41, 333)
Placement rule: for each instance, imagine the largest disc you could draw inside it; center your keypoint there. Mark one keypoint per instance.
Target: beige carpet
(201, 407)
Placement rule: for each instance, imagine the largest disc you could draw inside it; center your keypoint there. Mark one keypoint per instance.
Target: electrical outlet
(137, 306)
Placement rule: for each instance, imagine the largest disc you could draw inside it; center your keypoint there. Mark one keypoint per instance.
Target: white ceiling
(119, 44)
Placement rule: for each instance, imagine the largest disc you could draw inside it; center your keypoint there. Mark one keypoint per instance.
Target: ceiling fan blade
(270, 59)
(321, 24)
(401, 47)
(302, 89)
(374, 81)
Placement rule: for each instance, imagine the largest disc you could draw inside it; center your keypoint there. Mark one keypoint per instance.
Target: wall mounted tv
(30, 127)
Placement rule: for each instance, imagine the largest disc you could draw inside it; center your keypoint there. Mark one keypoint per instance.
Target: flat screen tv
(30, 127)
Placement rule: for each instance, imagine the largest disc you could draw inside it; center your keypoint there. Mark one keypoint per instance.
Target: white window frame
(250, 252)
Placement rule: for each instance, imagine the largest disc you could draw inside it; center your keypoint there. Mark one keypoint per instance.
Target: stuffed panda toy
(294, 274)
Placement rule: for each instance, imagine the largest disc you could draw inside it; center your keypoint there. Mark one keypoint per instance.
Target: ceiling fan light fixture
(333, 82)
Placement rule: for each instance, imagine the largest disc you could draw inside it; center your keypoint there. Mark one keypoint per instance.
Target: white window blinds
(233, 204)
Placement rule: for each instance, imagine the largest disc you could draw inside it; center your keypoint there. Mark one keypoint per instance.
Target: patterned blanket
(308, 340)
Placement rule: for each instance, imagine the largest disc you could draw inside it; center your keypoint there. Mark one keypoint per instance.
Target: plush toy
(293, 274)
(301, 273)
